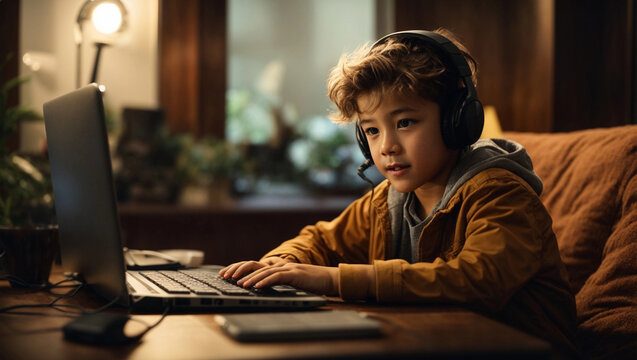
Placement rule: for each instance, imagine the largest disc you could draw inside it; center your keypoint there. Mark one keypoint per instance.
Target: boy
(455, 221)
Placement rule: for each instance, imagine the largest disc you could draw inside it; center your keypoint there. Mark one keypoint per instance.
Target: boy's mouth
(396, 168)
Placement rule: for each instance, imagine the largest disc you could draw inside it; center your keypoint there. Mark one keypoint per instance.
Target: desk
(408, 332)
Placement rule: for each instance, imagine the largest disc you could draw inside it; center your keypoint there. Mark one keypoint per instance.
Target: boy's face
(406, 144)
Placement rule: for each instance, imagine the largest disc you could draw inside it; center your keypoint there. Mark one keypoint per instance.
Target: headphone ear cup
(463, 121)
(471, 122)
(363, 144)
(451, 117)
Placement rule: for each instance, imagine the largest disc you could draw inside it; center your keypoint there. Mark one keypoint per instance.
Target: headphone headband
(449, 51)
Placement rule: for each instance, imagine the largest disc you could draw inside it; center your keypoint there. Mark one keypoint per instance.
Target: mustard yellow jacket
(492, 248)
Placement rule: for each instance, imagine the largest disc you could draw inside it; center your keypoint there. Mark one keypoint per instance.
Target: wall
(9, 40)
(512, 41)
(128, 68)
(594, 64)
(546, 65)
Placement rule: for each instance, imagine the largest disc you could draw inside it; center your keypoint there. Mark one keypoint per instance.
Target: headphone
(462, 118)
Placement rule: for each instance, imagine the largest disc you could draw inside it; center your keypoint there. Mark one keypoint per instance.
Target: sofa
(590, 190)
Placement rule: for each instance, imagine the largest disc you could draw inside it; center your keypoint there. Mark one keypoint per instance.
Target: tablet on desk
(297, 325)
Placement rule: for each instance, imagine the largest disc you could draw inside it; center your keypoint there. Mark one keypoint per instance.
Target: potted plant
(27, 237)
(207, 168)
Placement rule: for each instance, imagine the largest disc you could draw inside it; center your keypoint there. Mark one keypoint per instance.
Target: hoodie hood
(491, 153)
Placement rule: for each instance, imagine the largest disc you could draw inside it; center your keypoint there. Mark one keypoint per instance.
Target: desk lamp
(109, 17)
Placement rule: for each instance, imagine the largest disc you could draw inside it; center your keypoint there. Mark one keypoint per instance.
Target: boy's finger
(259, 275)
(274, 278)
(246, 268)
(229, 270)
(249, 276)
(223, 271)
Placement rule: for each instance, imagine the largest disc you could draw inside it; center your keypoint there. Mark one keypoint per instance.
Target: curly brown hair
(393, 66)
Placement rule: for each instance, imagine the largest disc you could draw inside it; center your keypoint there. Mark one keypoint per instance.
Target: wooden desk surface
(408, 332)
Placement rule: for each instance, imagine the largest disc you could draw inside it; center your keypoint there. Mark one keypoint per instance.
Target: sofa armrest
(590, 190)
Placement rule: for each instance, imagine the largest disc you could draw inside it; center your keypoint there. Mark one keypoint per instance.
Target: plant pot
(27, 253)
(215, 194)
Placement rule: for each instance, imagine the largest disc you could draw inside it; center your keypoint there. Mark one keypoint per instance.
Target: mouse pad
(297, 325)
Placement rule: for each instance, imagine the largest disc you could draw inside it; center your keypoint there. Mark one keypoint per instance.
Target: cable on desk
(79, 310)
(59, 307)
(150, 327)
(53, 304)
(30, 286)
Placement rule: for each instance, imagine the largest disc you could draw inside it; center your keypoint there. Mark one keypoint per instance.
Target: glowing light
(30, 61)
(492, 128)
(107, 18)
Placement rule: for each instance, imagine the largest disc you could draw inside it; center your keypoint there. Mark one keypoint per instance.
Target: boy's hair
(393, 66)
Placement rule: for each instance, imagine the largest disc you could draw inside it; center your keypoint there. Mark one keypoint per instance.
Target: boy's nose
(390, 146)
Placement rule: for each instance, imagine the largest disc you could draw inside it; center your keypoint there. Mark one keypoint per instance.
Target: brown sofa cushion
(590, 189)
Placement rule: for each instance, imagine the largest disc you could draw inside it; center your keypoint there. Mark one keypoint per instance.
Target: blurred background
(217, 110)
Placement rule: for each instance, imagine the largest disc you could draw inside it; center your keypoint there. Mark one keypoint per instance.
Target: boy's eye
(404, 122)
(371, 131)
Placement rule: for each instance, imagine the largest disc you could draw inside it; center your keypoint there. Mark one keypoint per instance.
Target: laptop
(89, 227)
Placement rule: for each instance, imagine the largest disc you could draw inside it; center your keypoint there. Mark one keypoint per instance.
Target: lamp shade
(492, 128)
(108, 18)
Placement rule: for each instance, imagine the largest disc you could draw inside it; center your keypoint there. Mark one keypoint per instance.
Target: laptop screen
(85, 203)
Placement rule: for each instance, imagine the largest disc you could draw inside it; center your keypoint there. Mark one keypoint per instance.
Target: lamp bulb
(107, 18)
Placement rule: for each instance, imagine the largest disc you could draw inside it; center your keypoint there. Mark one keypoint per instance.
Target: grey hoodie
(406, 226)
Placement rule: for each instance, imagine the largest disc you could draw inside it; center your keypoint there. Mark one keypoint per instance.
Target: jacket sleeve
(506, 225)
(344, 239)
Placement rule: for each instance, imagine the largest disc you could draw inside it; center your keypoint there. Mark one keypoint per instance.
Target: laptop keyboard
(205, 282)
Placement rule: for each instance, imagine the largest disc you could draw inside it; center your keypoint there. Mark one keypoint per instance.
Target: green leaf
(10, 84)
(23, 113)
(23, 187)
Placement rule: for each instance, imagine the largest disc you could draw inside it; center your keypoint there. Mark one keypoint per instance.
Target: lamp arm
(99, 46)
(79, 38)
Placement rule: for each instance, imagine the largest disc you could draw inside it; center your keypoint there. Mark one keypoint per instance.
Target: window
(280, 53)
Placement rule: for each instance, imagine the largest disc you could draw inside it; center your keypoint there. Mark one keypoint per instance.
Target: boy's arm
(344, 239)
(508, 232)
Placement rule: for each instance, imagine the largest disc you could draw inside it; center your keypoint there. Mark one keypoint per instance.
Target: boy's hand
(313, 278)
(240, 269)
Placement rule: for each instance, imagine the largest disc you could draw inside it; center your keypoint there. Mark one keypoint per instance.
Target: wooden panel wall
(192, 75)
(593, 63)
(547, 65)
(514, 54)
(9, 43)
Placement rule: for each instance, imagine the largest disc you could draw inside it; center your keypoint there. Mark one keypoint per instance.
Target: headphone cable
(361, 173)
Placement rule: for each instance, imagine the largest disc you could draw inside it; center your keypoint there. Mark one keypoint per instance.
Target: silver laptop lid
(85, 203)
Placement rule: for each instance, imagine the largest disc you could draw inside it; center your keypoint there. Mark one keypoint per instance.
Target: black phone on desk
(298, 325)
